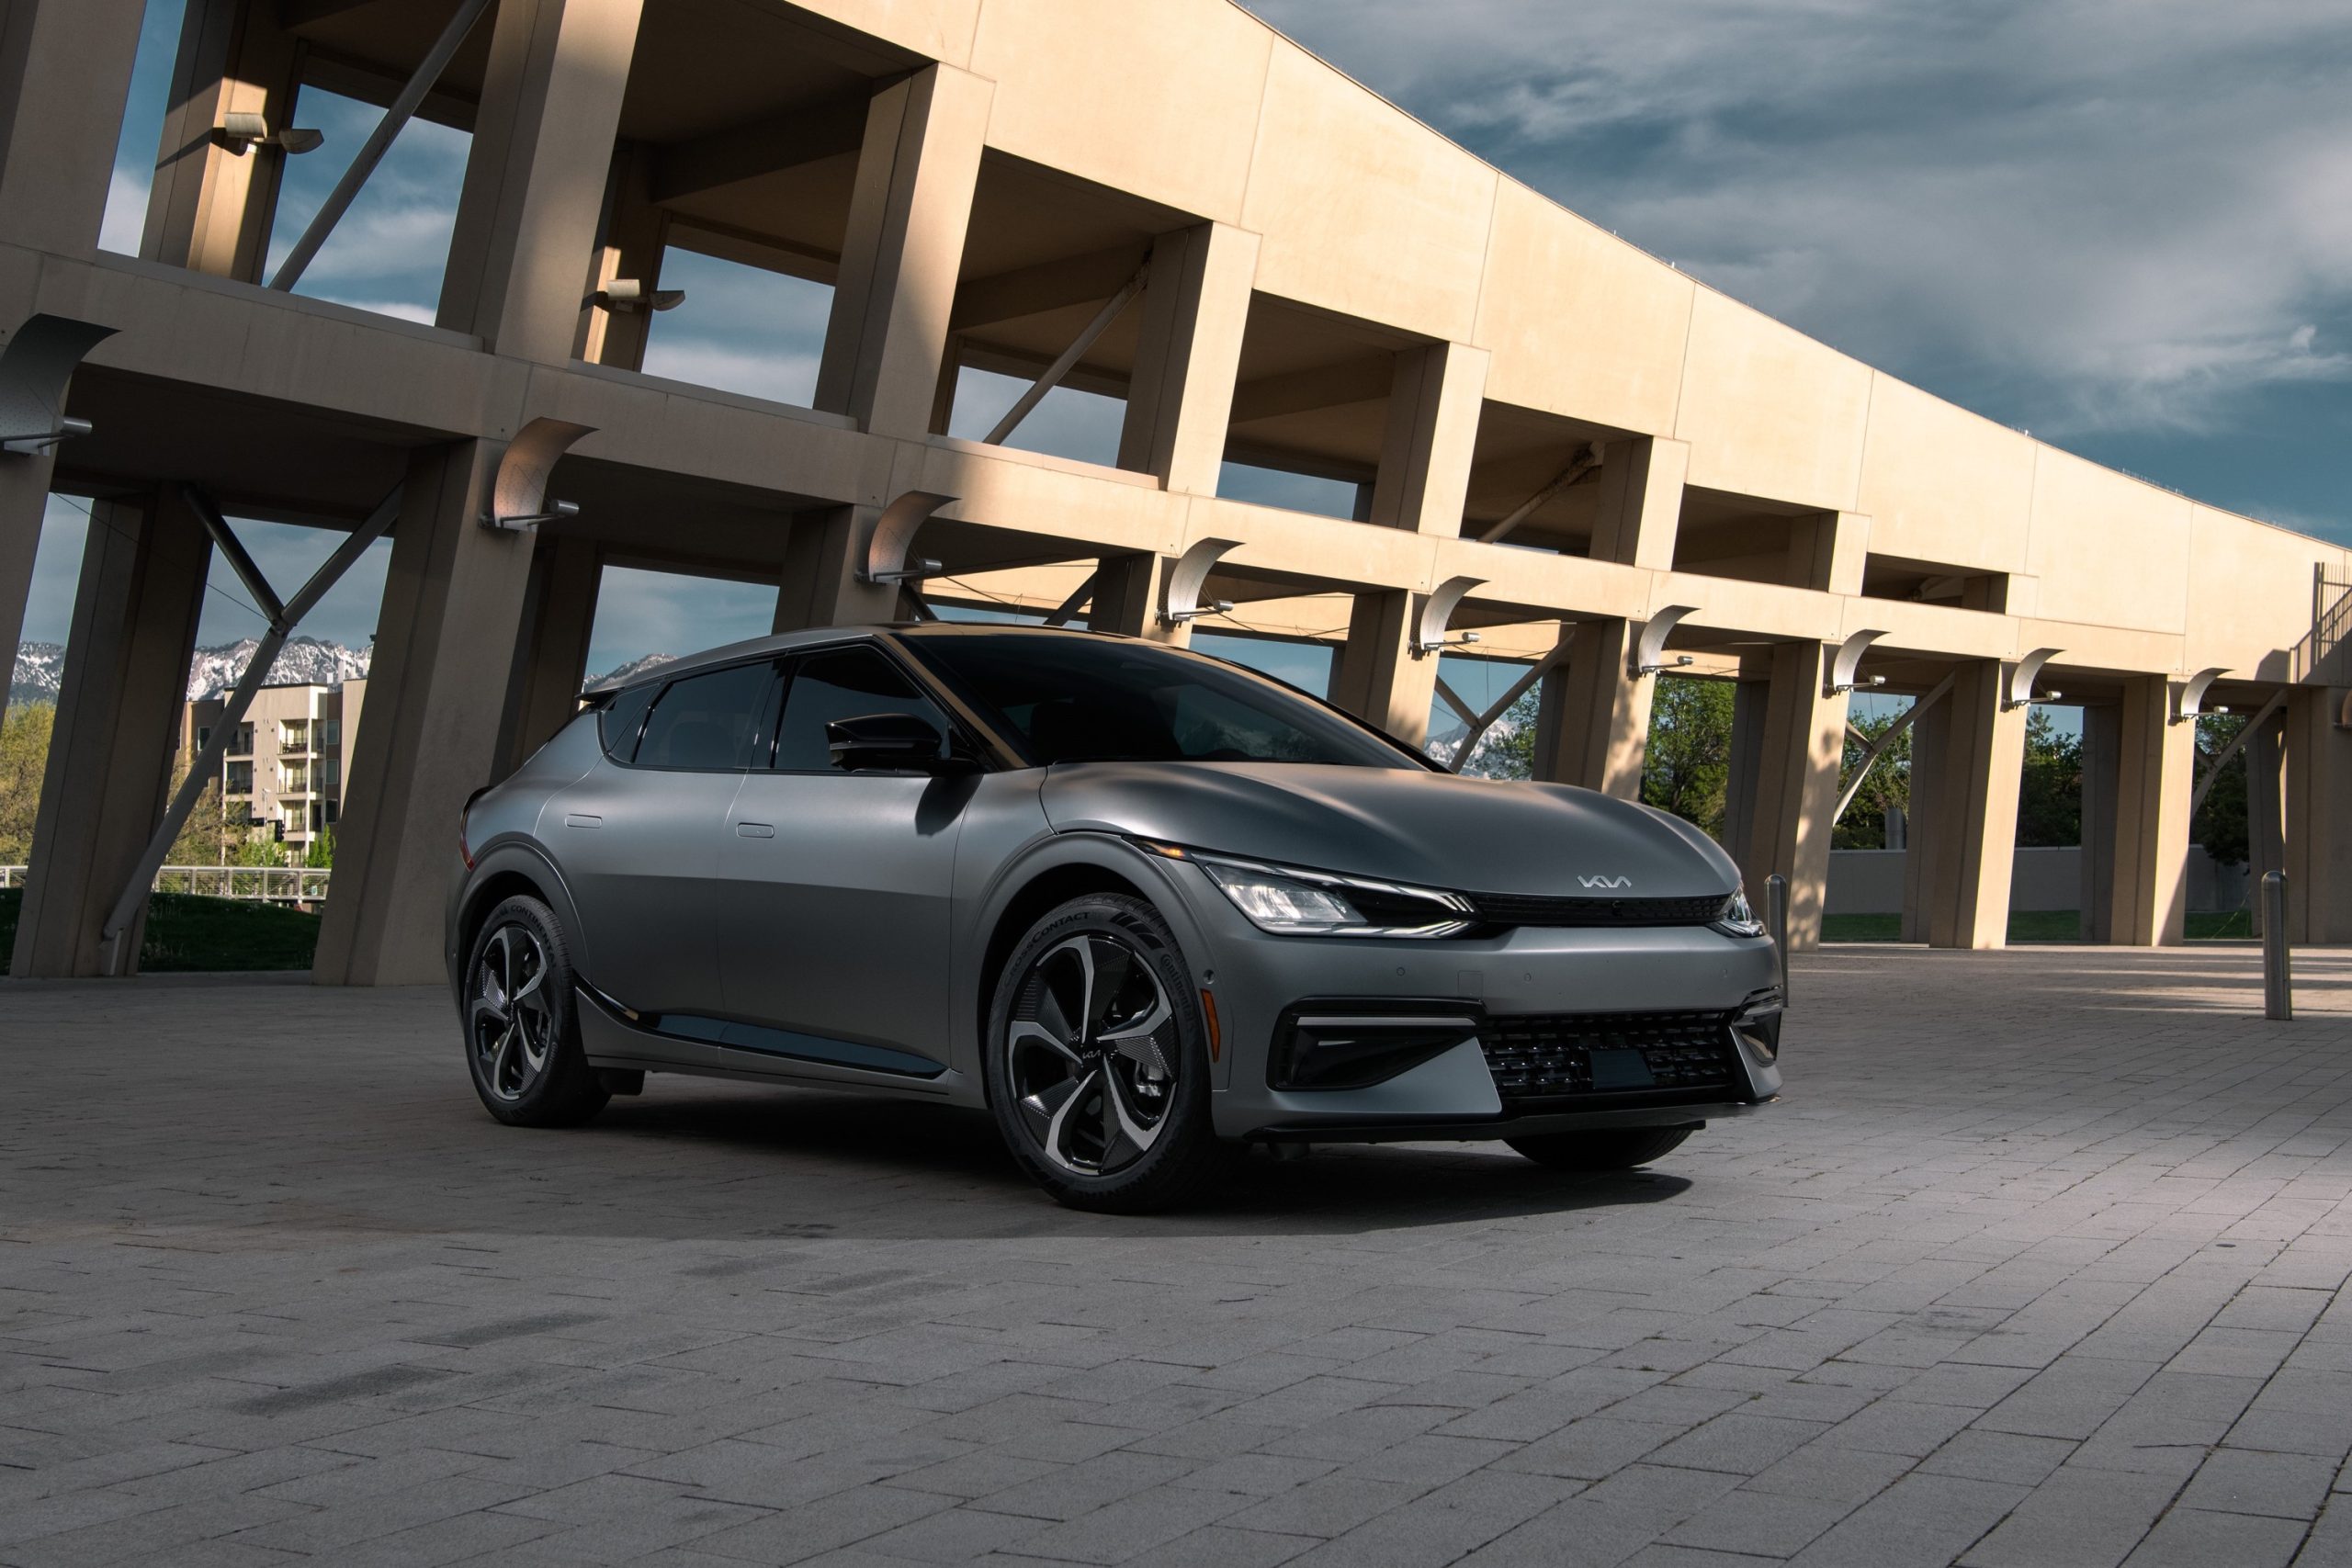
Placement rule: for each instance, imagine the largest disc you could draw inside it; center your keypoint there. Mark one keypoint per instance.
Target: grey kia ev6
(1139, 904)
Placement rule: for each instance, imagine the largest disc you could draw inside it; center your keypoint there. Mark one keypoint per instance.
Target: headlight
(1292, 901)
(1738, 919)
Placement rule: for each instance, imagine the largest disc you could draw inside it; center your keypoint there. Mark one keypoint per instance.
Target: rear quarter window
(622, 718)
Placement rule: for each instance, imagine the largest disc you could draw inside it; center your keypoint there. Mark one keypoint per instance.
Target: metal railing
(2331, 613)
(254, 884)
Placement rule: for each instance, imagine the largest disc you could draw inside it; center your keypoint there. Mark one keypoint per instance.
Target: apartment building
(284, 768)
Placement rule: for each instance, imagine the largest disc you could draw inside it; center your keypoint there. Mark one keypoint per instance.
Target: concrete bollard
(1776, 920)
(2277, 981)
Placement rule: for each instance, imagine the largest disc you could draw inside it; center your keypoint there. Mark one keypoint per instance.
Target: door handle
(581, 819)
(754, 830)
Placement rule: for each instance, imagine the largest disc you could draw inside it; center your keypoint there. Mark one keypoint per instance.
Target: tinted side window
(845, 683)
(707, 721)
(621, 719)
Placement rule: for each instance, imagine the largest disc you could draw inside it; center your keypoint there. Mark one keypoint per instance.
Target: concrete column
(1781, 821)
(1592, 724)
(2102, 742)
(1828, 551)
(1924, 837)
(1639, 506)
(1188, 352)
(2266, 821)
(2319, 816)
(886, 338)
(1376, 677)
(2155, 771)
(437, 700)
(210, 208)
(535, 180)
(629, 244)
(118, 729)
(821, 557)
(1966, 894)
(1127, 599)
(1750, 699)
(64, 76)
(1434, 405)
(24, 500)
(551, 652)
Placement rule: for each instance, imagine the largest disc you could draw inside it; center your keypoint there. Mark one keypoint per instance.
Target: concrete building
(283, 772)
(1554, 438)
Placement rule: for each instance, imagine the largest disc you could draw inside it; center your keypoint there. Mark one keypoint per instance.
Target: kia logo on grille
(1606, 880)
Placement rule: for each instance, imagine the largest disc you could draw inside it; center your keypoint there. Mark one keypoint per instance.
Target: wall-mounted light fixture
(627, 296)
(241, 131)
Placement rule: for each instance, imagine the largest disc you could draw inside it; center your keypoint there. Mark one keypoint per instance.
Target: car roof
(819, 637)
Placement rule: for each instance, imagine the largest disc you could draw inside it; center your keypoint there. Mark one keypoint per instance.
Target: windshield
(1074, 698)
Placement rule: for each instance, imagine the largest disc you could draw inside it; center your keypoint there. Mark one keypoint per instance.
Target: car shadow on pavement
(946, 1172)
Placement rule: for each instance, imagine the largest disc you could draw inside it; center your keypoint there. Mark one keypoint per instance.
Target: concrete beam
(741, 152)
(521, 253)
(1064, 283)
(1639, 508)
(551, 649)
(886, 338)
(2154, 774)
(210, 208)
(64, 75)
(1433, 406)
(1179, 400)
(1593, 726)
(1785, 799)
(1365, 379)
(118, 729)
(1965, 895)
(453, 607)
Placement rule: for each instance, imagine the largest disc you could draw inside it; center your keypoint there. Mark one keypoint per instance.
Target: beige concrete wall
(1768, 411)
(1941, 484)
(2107, 548)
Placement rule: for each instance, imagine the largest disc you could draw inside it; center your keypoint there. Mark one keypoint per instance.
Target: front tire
(522, 1035)
(1097, 1061)
(1613, 1149)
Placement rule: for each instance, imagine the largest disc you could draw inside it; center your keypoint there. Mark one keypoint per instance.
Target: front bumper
(1259, 981)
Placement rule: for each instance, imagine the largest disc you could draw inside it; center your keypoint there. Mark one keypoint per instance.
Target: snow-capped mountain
(634, 667)
(40, 667)
(303, 661)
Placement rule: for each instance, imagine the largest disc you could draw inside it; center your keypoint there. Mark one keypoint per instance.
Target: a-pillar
(117, 732)
(1592, 725)
(534, 191)
(1788, 738)
(64, 75)
(2148, 901)
(452, 610)
(551, 653)
(1975, 748)
(210, 204)
(1188, 352)
(824, 556)
(1378, 677)
(885, 340)
(2319, 823)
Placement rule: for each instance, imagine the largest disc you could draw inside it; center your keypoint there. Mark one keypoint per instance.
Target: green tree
(207, 837)
(1508, 751)
(1888, 783)
(2222, 824)
(1689, 765)
(2050, 795)
(24, 759)
(318, 855)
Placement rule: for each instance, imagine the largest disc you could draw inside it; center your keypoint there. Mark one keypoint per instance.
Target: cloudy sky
(2125, 225)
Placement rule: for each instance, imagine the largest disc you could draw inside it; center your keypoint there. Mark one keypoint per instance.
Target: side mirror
(895, 742)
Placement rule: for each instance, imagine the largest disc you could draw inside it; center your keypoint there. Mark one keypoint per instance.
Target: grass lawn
(188, 932)
(2029, 925)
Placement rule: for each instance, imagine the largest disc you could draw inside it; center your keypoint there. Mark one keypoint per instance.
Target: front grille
(1551, 1056)
(1532, 910)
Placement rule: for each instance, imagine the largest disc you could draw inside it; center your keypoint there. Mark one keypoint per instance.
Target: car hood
(1473, 835)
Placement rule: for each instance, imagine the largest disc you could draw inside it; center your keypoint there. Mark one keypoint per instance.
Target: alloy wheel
(1092, 1055)
(507, 1019)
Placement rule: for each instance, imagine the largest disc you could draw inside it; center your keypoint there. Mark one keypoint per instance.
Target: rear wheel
(521, 1036)
(1097, 1064)
(1612, 1149)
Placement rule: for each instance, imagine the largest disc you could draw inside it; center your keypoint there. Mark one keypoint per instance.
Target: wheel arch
(502, 872)
(1070, 867)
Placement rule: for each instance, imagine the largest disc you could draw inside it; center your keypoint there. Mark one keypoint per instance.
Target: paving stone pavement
(2039, 1262)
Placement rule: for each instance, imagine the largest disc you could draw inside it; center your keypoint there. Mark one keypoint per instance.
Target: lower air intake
(1555, 1055)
